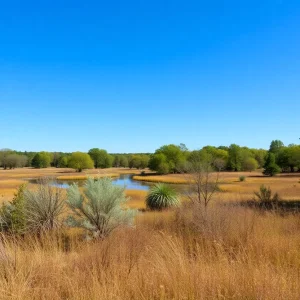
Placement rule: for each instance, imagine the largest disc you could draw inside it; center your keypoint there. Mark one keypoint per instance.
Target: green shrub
(12, 214)
(264, 195)
(33, 211)
(99, 210)
(162, 196)
(242, 178)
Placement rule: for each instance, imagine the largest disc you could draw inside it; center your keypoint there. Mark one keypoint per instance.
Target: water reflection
(124, 181)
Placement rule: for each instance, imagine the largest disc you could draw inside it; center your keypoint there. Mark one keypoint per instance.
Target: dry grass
(287, 185)
(11, 179)
(137, 199)
(233, 253)
(171, 178)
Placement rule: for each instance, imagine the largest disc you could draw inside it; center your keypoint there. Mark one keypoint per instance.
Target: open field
(287, 185)
(171, 178)
(11, 179)
(235, 254)
(231, 252)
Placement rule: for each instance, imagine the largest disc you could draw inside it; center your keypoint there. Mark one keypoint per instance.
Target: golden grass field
(230, 252)
(11, 179)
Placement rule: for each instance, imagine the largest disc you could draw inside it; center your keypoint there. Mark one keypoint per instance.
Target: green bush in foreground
(12, 214)
(33, 211)
(99, 209)
(162, 196)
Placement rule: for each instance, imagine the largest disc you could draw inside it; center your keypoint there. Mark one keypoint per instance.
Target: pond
(124, 181)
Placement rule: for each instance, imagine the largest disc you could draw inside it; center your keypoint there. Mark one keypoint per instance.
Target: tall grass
(161, 179)
(227, 253)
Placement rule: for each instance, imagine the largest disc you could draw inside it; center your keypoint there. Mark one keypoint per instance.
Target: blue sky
(130, 76)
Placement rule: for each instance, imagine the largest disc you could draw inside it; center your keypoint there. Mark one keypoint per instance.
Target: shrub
(264, 195)
(12, 214)
(33, 211)
(99, 210)
(43, 207)
(161, 196)
(242, 178)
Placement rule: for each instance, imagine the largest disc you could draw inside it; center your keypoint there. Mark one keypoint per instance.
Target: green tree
(123, 161)
(80, 160)
(270, 167)
(15, 161)
(235, 158)
(99, 209)
(117, 161)
(138, 161)
(63, 161)
(4, 153)
(168, 158)
(30, 156)
(134, 161)
(55, 159)
(101, 158)
(175, 156)
(144, 161)
(250, 164)
(218, 157)
(41, 160)
(288, 158)
(259, 155)
(276, 146)
(158, 162)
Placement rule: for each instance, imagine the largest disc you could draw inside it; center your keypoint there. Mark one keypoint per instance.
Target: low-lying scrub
(226, 253)
(189, 252)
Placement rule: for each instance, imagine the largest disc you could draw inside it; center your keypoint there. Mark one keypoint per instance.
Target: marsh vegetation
(202, 233)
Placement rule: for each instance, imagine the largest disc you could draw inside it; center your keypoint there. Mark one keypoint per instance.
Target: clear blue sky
(130, 76)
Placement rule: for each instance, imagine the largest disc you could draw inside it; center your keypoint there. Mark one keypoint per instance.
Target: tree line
(95, 158)
(166, 159)
(278, 158)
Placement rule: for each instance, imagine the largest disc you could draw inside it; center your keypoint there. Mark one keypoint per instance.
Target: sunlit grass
(162, 179)
(136, 199)
(235, 254)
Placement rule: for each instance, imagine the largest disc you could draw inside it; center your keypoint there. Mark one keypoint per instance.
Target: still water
(124, 181)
